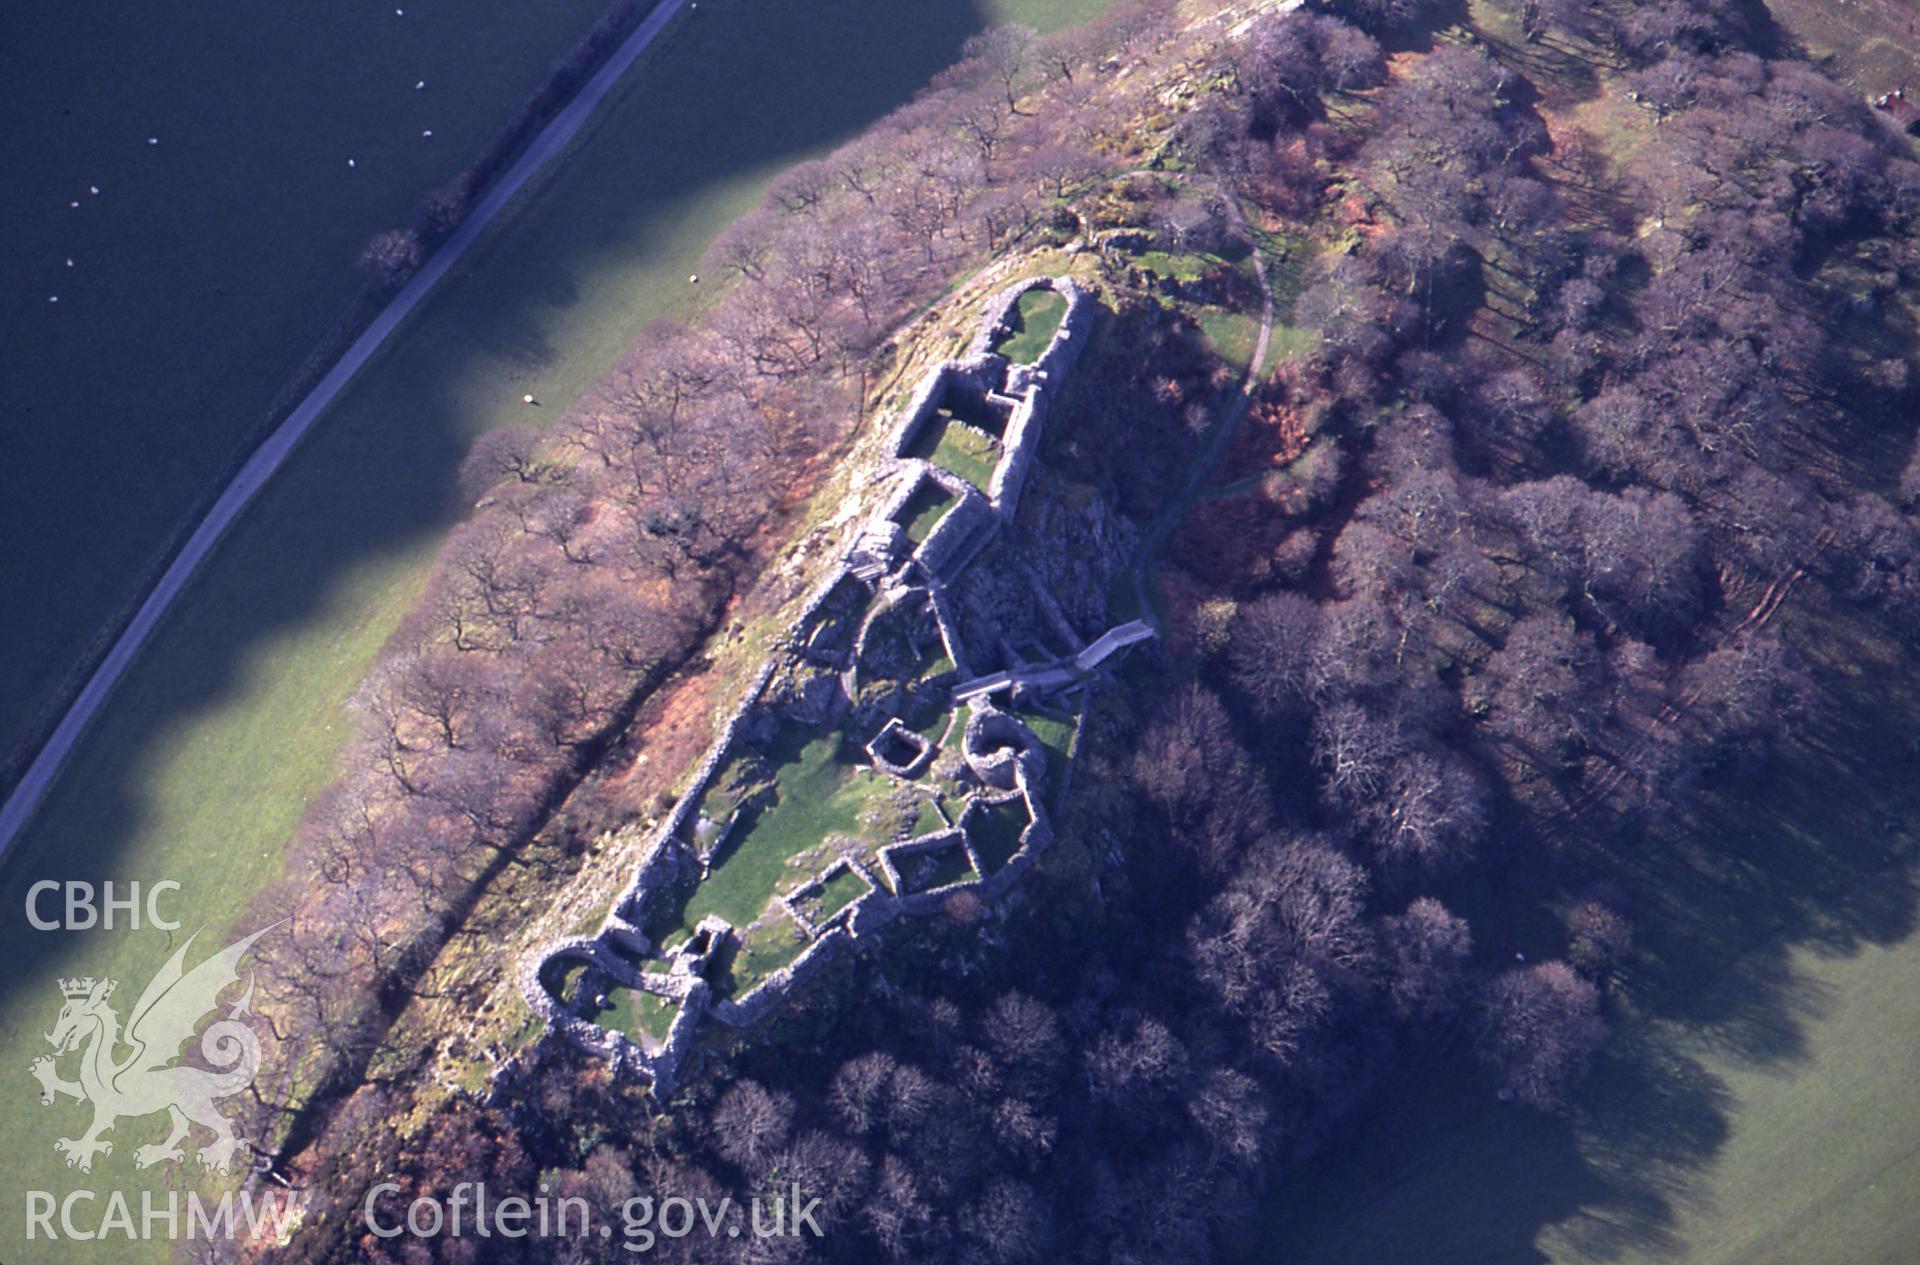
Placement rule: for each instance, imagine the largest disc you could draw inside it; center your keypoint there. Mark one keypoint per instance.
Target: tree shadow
(1428, 1173)
(1555, 71)
(1815, 854)
(1422, 34)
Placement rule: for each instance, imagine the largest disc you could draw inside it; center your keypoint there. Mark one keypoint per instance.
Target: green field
(641, 1015)
(763, 950)
(840, 891)
(199, 767)
(208, 265)
(1057, 735)
(1756, 1103)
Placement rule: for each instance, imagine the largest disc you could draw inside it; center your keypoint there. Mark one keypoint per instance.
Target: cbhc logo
(83, 911)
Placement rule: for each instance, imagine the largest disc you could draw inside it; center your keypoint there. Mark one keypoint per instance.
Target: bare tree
(505, 452)
(1008, 54)
(1540, 1026)
(391, 257)
(750, 1124)
(1426, 951)
(1276, 642)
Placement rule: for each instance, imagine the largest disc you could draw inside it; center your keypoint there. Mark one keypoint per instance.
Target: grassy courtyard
(958, 449)
(823, 786)
(840, 891)
(199, 767)
(759, 953)
(1037, 316)
(925, 509)
(643, 1016)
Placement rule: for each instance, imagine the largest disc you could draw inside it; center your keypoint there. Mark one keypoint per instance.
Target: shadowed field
(208, 264)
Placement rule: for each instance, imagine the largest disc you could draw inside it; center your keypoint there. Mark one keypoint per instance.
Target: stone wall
(1056, 618)
(665, 1064)
(1063, 352)
(894, 855)
(816, 601)
(1030, 777)
(949, 624)
(1022, 446)
(919, 474)
(895, 731)
(774, 989)
(1033, 384)
(921, 407)
(583, 1033)
(972, 376)
(994, 742)
(955, 532)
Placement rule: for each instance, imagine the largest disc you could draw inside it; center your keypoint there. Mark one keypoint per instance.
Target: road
(274, 451)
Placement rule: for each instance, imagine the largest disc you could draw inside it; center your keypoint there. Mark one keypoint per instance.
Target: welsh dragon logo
(149, 1078)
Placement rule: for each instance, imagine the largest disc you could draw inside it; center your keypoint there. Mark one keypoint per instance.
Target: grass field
(640, 1015)
(199, 767)
(1756, 1102)
(207, 266)
(840, 891)
(764, 950)
(1057, 735)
